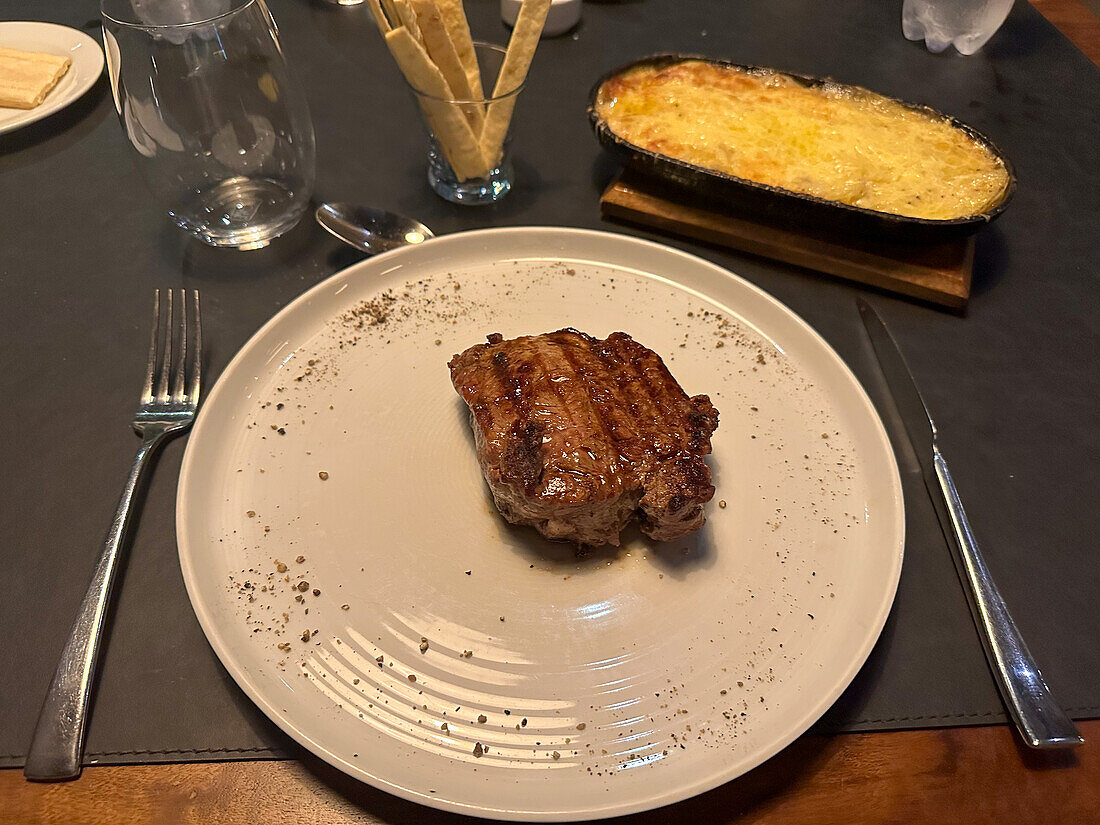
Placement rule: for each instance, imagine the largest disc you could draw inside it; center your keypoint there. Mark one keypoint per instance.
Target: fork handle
(58, 739)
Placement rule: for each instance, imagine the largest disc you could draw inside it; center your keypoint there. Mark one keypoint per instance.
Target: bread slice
(27, 77)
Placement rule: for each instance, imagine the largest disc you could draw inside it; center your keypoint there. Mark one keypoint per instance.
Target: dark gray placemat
(1014, 384)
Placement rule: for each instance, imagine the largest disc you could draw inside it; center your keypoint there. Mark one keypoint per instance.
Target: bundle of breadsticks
(431, 42)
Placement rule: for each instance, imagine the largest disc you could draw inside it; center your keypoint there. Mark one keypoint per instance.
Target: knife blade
(1040, 720)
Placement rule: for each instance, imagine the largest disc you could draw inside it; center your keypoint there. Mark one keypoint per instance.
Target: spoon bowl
(370, 230)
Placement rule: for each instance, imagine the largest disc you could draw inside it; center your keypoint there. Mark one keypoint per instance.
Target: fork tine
(147, 387)
(181, 358)
(166, 355)
(196, 354)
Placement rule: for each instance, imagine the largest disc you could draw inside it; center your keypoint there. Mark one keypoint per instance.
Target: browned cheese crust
(576, 436)
(839, 143)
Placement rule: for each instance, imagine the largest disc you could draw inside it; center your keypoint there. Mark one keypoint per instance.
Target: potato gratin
(839, 143)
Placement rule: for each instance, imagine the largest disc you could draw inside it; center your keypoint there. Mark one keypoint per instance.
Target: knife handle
(1042, 723)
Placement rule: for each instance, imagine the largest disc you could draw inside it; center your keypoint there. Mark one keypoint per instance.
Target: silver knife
(1041, 722)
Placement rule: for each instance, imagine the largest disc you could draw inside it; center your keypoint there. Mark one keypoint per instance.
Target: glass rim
(236, 6)
(496, 47)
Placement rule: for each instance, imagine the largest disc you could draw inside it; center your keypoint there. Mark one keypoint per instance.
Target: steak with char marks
(576, 435)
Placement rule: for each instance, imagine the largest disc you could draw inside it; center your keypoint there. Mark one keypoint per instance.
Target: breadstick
(517, 60)
(408, 19)
(454, 18)
(442, 52)
(456, 138)
(391, 12)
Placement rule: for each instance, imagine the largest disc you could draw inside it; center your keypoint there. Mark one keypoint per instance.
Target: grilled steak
(576, 435)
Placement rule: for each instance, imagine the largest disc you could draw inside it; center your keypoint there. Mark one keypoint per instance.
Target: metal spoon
(370, 230)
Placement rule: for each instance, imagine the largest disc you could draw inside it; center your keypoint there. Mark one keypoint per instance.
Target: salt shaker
(967, 24)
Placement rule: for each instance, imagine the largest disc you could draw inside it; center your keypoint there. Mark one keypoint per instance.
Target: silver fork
(59, 734)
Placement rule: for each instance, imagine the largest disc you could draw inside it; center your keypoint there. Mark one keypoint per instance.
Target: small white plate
(593, 686)
(50, 38)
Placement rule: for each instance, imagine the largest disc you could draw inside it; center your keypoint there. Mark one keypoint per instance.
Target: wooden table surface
(968, 775)
(1076, 22)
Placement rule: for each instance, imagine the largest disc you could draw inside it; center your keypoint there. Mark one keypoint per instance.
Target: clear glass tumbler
(463, 165)
(205, 96)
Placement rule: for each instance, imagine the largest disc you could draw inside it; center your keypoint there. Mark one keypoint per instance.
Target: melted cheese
(839, 143)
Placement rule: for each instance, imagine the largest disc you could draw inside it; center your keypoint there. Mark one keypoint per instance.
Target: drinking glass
(222, 129)
(473, 186)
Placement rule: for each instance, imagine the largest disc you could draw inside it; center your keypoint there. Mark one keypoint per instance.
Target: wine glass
(222, 130)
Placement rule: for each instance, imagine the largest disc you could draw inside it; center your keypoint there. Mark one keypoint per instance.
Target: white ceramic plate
(87, 65)
(603, 685)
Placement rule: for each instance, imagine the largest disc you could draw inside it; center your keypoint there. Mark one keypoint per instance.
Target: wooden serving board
(938, 273)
